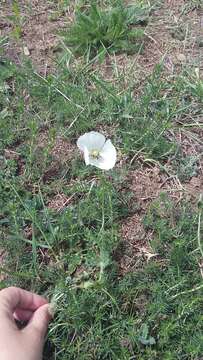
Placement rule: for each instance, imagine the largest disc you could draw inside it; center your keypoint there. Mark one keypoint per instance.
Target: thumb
(39, 321)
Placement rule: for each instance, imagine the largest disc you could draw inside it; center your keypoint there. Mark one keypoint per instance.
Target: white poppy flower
(97, 150)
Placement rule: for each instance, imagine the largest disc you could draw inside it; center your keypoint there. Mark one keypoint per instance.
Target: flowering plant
(97, 150)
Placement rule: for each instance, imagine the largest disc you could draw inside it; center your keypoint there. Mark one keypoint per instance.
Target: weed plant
(98, 31)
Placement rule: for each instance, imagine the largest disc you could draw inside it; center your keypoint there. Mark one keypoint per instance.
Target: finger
(14, 298)
(39, 322)
(23, 315)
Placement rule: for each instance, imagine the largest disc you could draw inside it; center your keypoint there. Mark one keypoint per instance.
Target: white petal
(107, 158)
(86, 156)
(95, 162)
(91, 140)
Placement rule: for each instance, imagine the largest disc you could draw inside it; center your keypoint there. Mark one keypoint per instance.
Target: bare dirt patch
(59, 148)
(62, 150)
(146, 185)
(194, 187)
(136, 244)
(173, 35)
(38, 26)
(191, 146)
(10, 154)
(59, 202)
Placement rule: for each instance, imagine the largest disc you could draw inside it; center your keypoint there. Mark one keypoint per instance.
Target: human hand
(27, 343)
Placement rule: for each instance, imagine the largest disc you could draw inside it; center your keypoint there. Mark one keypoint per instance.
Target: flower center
(95, 154)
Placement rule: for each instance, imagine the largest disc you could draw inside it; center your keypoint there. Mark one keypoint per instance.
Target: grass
(98, 31)
(71, 252)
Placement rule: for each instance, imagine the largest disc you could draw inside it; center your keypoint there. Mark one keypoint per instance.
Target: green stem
(199, 226)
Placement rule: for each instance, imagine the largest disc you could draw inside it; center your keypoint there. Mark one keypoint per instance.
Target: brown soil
(61, 152)
(38, 26)
(59, 148)
(59, 202)
(174, 37)
(146, 185)
(11, 154)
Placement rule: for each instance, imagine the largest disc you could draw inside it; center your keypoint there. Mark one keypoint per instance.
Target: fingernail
(51, 310)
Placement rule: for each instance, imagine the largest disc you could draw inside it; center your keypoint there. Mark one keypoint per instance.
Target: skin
(27, 343)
